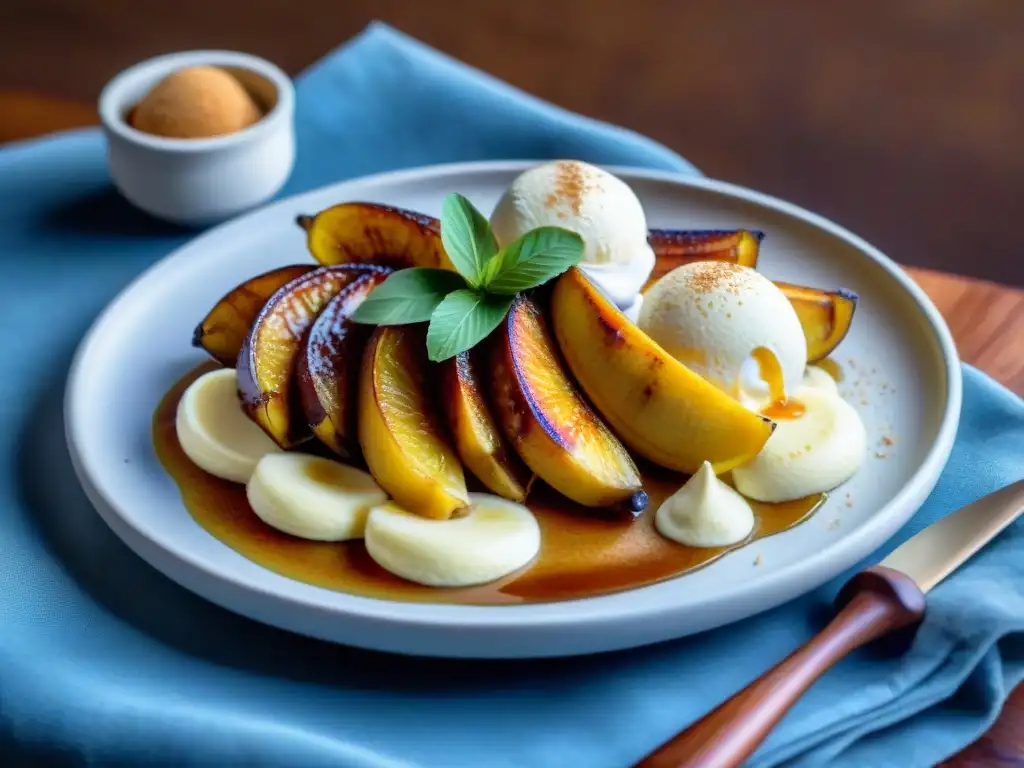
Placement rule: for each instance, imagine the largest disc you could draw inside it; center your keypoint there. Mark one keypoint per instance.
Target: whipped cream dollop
(598, 206)
(819, 379)
(730, 324)
(820, 447)
(705, 512)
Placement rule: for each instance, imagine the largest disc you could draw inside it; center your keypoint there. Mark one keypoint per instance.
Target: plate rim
(878, 528)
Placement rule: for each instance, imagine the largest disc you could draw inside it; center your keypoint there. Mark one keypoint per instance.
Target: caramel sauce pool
(783, 410)
(581, 556)
(788, 409)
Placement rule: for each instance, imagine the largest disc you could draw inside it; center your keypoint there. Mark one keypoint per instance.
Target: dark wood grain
(875, 603)
(901, 120)
(987, 321)
(24, 115)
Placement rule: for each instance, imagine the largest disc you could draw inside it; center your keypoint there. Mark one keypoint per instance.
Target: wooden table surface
(987, 321)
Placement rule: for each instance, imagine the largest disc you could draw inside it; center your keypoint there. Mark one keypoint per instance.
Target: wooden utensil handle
(875, 602)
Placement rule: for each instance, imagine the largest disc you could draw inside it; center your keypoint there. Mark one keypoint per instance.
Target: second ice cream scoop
(598, 206)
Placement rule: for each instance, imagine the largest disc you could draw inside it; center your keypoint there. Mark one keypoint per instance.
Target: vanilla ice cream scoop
(731, 325)
(599, 207)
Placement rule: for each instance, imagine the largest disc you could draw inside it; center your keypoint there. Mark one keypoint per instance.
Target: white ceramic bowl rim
(814, 569)
(113, 102)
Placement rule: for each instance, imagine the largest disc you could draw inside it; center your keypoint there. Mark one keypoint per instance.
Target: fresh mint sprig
(408, 296)
(467, 238)
(536, 257)
(463, 307)
(464, 318)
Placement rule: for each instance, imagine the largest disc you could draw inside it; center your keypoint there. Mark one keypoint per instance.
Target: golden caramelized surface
(222, 332)
(826, 316)
(546, 419)
(476, 435)
(400, 388)
(267, 363)
(399, 430)
(465, 388)
(328, 366)
(658, 406)
(368, 232)
(675, 247)
(555, 401)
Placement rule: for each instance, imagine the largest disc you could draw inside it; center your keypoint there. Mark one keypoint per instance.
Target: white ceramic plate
(904, 379)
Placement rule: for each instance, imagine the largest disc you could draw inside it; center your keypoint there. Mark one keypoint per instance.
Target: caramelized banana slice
(328, 367)
(267, 361)
(372, 233)
(477, 437)
(825, 316)
(223, 330)
(659, 407)
(549, 423)
(399, 431)
(674, 247)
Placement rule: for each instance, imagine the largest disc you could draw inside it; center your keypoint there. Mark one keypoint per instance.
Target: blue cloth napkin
(104, 661)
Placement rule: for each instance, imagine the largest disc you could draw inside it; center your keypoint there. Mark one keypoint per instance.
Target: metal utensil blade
(932, 554)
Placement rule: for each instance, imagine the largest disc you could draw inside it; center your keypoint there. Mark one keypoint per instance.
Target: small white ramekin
(200, 181)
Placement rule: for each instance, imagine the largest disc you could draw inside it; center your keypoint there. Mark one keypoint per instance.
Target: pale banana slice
(494, 538)
(215, 433)
(311, 497)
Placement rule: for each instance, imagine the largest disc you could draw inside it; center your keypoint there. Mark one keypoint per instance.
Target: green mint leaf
(408, 296)
(462, 320)
(467, 237)
(491, 269)
(535, 258)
